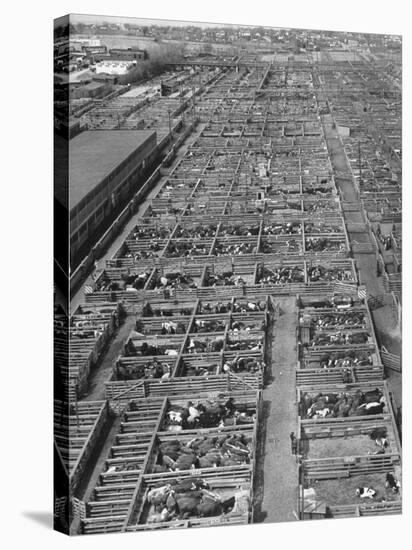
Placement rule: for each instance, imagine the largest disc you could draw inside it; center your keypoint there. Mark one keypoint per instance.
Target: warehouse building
(91, 89)
(127, 54)
(104, 168)
(114, 67)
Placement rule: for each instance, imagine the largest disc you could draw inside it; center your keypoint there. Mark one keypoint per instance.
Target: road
(277, 471)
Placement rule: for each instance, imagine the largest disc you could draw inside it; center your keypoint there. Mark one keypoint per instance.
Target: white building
(80, 42)
(114, 67)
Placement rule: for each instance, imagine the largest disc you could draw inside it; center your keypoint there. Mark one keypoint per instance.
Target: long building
(104, 167)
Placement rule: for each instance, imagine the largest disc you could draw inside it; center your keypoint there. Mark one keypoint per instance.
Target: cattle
(208, 345)
(193, 484)
(370, 408)
(321, 244)
(378, 433)
(201, 326)
(186, 502)
(186, 506)
(342, 404)
(247, 345)
(379, 436)
(346, 359)
(169, 327)
(373, 396)
(214, 508)
(365, 492)
(186, 248)
(158, 496)
(160, 517)
(244, 307)
(233, 249)
(200, 370)
(318, 408)
(306, 402)
(392, 483)
(283, 228)
(329, 398)
(230, 406)
(206, 414)
(218, 308)
(174, 280)
(321, 273)
(342, 408)
(339, 339)
(320, 413)
(382, 442)
(205, 452)
(171, 502)
(160, 469)
(280, 276)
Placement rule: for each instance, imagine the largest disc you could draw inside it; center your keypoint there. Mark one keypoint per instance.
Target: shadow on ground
(260, 515)
(45, 519)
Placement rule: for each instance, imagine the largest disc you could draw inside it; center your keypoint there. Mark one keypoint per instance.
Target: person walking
(294, 443)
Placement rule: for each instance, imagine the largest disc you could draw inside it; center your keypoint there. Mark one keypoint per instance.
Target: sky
(98, 19)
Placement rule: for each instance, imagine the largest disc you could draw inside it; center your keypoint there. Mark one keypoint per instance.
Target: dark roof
(93, 85)
(131, 49)
(93, 155)
(60, 169)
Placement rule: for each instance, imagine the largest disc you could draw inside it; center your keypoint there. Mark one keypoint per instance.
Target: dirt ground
(101, 373)
(340, 446)
(277, 471)
(342, 491)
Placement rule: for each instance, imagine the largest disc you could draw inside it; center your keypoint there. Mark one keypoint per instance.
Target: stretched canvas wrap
(228, 257)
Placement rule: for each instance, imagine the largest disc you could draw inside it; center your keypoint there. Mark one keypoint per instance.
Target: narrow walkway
(386, 329)
(101, 373)
(280, 470)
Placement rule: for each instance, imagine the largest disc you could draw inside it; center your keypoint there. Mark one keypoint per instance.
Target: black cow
(392, 483)
(370, 408)
(372, 396)
(210, 507)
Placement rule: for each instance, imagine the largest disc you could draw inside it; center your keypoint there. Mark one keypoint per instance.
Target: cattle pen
(234, 288)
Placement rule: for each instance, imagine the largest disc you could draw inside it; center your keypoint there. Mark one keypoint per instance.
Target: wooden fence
(390, 360)
(345, 467)
(396, 308)
(374, 509)
(375, 302)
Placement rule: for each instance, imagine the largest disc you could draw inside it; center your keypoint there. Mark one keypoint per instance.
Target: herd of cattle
(337, 336)
(204, 414)
(343, 404)
(192, 498)
(196, 271)
(204, 452)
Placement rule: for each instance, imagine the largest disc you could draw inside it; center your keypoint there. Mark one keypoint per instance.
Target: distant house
(114, 67)
(104, 77)
(127, 54)
(94, 50)
(93, 89)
